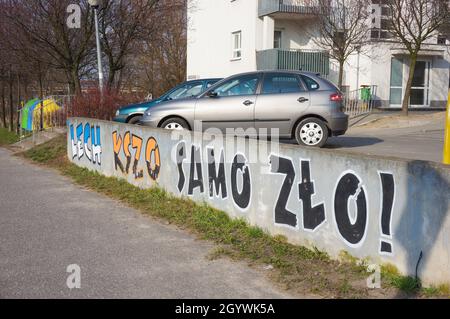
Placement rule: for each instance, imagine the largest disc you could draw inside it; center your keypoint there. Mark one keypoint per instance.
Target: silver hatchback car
(299, 105)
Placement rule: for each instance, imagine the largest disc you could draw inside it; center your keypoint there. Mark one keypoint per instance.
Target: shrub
(93, 104)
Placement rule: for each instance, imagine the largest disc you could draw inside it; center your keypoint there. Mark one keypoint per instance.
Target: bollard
(447, 134)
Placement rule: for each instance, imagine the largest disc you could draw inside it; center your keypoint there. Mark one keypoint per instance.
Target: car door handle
(302, 99)
(247, 103)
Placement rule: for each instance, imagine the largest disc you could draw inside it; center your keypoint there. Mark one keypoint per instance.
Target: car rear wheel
(175, 123)
(135, 120)
(311, 132)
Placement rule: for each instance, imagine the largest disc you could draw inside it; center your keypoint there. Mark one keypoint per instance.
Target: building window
(237, 44)
(381, 24)
(441, 39)
(396, 82)
(385, 11)
(277, 40)
(339, 39)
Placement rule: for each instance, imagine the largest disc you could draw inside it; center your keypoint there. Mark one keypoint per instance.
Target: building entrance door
(420, 92)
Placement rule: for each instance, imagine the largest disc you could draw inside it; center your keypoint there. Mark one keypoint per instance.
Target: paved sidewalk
(48, 223)
(36, 139)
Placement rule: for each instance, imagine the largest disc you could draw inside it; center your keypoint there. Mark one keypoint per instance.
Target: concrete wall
(296, 34)
(390, 210)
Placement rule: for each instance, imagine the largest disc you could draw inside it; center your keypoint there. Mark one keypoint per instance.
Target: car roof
(323, 82)
(281, 71)
(207, 79)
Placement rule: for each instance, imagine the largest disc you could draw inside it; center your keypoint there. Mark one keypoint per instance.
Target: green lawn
(7, 138)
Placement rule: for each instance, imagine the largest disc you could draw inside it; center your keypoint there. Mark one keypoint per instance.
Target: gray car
(299, 105)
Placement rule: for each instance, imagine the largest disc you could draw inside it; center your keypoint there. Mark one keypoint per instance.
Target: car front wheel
(135, 120)
(311, 132)
(175, 123)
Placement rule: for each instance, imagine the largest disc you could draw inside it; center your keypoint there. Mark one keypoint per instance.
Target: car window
(242, 85)
(210, 83)
(331, 84)
(187, 90)
(281, 83)
(310, 83)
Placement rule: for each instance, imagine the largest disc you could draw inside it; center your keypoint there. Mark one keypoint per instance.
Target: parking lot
(418, 136)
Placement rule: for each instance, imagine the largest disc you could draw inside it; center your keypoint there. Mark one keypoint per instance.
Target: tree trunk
(3, 105)
(11, 102)
(19, 106)
(75, 81)
(341, 74)
(111, 78)
(119, 81)
(41, 97)
(25, 89)
(406, 97)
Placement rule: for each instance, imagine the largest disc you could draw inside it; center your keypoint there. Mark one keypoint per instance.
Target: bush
(93, 105)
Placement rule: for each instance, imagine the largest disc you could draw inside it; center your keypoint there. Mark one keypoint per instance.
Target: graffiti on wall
(350, 207)
(133, 148)
(350, 203)
(216, 183)
(86, 141)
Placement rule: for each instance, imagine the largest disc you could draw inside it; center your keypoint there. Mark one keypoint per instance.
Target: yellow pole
(447, 134)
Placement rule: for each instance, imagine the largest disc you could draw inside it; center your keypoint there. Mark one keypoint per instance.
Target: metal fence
(299, 60)
(300, 6)
(360, 102)
(50, 120)
(266, 7)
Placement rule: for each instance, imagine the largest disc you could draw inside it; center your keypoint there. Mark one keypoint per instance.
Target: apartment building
(232, 36)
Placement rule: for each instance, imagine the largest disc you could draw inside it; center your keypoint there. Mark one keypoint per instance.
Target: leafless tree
(413, 22)
(342, 28)
(122, 24)
(43, 23)
(163, 58)
(27, 62)
(141, 40)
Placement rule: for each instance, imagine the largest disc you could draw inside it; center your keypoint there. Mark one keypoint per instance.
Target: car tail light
(336, 97)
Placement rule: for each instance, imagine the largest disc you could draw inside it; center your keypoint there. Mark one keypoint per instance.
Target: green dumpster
(365, 93)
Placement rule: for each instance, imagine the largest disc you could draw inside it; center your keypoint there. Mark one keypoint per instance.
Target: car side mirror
(212, 94)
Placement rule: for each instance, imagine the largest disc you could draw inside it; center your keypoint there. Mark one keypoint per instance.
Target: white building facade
(226, 37)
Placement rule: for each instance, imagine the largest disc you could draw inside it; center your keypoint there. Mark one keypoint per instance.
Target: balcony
(299, 60)
(288, 8)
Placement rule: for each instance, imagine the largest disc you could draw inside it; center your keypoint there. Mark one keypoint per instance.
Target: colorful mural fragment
(31, 113)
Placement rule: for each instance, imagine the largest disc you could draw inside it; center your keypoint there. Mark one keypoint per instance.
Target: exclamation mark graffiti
(387, 204)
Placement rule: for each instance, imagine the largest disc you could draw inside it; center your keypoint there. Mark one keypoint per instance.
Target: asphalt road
(48, 223)
(420, 142)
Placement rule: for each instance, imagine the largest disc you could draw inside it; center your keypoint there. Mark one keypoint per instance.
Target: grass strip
(7, 137)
